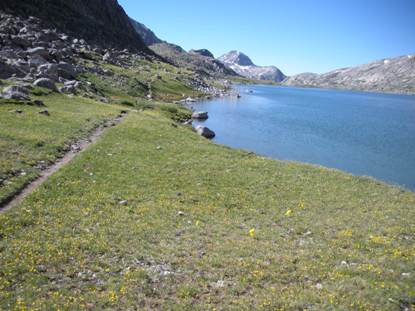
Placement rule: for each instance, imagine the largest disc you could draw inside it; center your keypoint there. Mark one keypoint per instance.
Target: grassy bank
(155, 217)
(29, 140)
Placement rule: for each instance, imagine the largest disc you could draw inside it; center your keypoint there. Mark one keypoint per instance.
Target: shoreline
(374, 178)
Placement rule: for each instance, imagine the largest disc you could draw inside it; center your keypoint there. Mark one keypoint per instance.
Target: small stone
(219, 284)
(319, 286)
(45, 112)
(41, 268)
(180, 213)
(158, 147)
(38, 102)
(123, 202)
(406, 274)
(16, 111)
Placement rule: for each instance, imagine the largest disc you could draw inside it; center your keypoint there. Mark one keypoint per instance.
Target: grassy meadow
(155, 217)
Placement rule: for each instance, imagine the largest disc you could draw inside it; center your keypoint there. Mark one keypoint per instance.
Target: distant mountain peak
(236, 57)
(243, 65)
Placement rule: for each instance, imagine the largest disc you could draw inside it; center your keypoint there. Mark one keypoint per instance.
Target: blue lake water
(362, 133)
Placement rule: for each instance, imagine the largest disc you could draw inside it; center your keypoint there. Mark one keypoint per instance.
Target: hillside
(244, 66)
(200, 61)
(100, 22)
(197, 62)
(386, 75)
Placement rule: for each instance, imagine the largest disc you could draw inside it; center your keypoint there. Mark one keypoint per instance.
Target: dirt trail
(76, 148)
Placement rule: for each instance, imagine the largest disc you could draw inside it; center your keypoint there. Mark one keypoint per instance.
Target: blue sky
(297, 36)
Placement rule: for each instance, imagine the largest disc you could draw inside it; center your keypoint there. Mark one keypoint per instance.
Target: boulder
(15, 92)
(108, 58)
(39, 51)
(46, 83)
(66, 70)
(200, 115)
(9, 68)
(49, 69)
(36, 61)
(205, 132)
(21, 41)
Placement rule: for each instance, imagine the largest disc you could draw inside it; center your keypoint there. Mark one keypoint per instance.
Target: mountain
(244, 66)
(146, 34)
(205, 65)
(386, 75)
(100, 22)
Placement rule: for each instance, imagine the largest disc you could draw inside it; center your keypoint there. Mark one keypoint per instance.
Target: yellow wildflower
(252, 232)
(288, 212)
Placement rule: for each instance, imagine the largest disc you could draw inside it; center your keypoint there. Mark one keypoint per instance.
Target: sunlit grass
(154, 216)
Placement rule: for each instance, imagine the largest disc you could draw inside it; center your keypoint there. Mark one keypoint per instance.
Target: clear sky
(295, 35)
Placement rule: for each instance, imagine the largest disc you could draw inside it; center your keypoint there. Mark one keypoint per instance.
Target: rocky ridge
(100, 22)
(396, 75)
(243, 65)
(145, 33)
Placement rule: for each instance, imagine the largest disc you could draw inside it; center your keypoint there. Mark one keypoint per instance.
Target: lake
(362, 133)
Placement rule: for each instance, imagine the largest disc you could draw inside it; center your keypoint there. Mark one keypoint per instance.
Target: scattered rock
(200, 115)
(46, 83)
(39, 51)
(180, 213)
(41, 268)
(48, 69)
(16, 111)
(15, 92)
(205, 132)
(38, 103)
(66, 70)
(123, 202)
(45, 112)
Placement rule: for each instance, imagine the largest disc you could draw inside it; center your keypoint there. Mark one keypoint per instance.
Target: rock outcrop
(395, 75)
(243, 65)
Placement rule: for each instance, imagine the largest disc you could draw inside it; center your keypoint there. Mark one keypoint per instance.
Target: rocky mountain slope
(202, 64)
(202, 61)
(101, 22)
(386, 75)
(203, 52)
(145, 33)
(244, 66)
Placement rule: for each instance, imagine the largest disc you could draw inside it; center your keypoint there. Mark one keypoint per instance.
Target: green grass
(204, 227)
(29, 138)
(163, 81)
